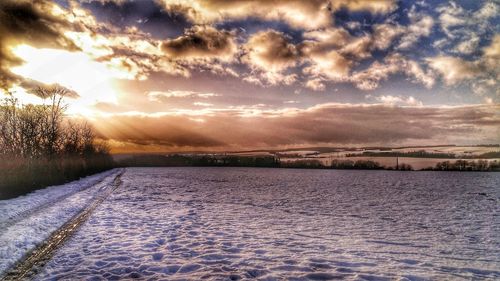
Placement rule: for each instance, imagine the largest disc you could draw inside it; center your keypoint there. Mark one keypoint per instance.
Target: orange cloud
(326, 124)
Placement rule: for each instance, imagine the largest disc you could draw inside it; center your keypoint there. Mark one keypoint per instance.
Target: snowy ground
(281, 224)
(28, 220)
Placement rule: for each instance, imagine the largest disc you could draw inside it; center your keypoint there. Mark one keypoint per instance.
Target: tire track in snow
(30, 212)
(29, 266)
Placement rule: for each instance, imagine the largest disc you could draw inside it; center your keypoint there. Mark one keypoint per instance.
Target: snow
(284, 224)
(28, 220)
(10, 209)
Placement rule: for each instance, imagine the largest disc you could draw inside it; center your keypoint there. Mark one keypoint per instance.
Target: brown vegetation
(40, 146)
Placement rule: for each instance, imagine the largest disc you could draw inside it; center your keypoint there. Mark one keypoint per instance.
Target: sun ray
(93, 81)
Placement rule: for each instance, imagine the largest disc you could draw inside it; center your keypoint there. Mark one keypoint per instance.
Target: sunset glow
(91, 80)
(200, 75)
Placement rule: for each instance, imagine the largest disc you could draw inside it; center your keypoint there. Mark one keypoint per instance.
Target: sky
(219, 75)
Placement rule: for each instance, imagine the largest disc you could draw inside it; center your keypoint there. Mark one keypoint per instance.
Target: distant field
(416, 163)
(419, 157)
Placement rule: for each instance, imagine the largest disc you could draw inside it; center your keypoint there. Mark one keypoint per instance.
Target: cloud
(455, 20)
(374, 6)
(465, 28)
(493, 50)
(269, 78)
(159, 96)
(330, 65)
(359, 48)
(329, 54)
(420, 26)
(451, 16)
(315, 84)
(270, 54)
(395, 100)
(201, 42)
(487, 11)
(491, 74)
(468, 46)
(337, 39)
(149, 131)
(130, 53)
(481, 74)
(299, 14)
(270, 50)
(332, 53)
(453, 69)
(332, 37)
(364, 54)
(346, 124)
(203, 104)
(127, 53)
(370, 78)
(23, 22)
(385, 33)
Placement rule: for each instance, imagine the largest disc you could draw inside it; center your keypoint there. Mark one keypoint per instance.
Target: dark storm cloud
(201, 42)
(28, 22)
(334, 124)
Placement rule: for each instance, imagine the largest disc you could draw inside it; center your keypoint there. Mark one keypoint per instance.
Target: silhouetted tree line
(465, 165)
(199, 160)
(303, 164)
(359, 164)
(39, 146)
(179, 160)
(336, 164)
(402, 167)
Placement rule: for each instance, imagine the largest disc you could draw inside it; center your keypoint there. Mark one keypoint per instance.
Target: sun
(93, 81)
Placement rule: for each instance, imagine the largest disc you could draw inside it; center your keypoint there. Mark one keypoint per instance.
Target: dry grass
(20, 176)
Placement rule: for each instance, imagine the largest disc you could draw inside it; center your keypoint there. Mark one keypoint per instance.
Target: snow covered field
(283, 224)
(28, 220)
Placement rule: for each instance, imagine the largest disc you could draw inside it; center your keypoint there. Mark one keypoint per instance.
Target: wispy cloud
(158, 96)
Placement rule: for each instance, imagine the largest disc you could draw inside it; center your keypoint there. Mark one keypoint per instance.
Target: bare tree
(9, 142)
(40, 146)
(33, 131)
(53, 122)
